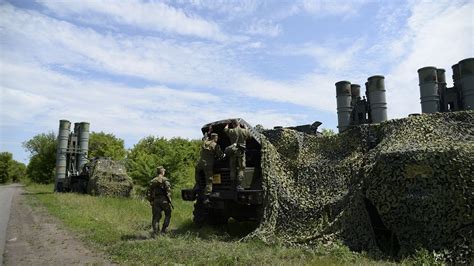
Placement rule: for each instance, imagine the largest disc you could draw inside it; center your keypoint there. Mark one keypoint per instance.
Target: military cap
(160, 167)
(214, 135)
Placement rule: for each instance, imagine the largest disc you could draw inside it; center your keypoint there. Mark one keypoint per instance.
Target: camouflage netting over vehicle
(394, 187)
(108, 178)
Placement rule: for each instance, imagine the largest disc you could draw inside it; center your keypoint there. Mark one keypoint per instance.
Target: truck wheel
(217, 218)
(200, 213)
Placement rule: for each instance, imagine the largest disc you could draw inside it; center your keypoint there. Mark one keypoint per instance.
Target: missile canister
(456, 75)
(344, 107)
(62, 143)
(377, 99)
(429, 89)
(466, 82)
(83, 144)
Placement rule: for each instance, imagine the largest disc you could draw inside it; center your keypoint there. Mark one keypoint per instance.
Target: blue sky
(164, 68)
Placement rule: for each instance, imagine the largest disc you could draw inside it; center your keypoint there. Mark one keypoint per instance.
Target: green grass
(121, 229)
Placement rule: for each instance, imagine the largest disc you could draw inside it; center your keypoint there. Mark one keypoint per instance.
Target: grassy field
(121, 229)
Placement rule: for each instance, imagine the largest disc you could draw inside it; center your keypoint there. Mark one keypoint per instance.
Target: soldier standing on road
(236, 150)
(210, 151)
(159, 195)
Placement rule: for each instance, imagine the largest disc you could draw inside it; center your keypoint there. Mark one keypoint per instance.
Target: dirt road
(35, 238)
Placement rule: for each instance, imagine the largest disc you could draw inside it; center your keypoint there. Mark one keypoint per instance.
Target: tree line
(177, 155)
(10, 170)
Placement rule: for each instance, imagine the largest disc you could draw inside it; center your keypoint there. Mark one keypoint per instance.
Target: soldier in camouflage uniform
(159, 195)
(210, 151)
(238, 136)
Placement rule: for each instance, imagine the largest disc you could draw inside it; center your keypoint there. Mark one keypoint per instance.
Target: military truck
(225, 200)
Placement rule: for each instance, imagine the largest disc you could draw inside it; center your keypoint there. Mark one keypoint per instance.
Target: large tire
(200, 213)
(217, 218)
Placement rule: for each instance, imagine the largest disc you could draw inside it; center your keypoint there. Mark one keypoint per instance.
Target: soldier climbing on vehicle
(224, 201)
(210, 152)
(236, 150)
(159, 196)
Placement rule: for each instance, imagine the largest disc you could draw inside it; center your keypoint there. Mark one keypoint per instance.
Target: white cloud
(345, 8)
(151, 58)
(331, 56)
(263, 28)
(439, 33)
(39, 97)
(192, 64)
(320, 8)
(147, 15)
(228, 8)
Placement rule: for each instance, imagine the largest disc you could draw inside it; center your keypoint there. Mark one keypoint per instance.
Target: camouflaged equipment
(108, 178)
(393, 187)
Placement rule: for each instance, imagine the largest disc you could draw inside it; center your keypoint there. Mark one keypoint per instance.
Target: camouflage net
(395, 187)
(109, 178)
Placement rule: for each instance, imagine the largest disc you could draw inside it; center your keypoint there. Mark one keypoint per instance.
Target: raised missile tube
(62, 142)
(83, 144)
(441, 77)
(355, 93)
(344, 107)
(429, 90)
(77, 128)
(377, 99)
(456, 75)
(466, 82)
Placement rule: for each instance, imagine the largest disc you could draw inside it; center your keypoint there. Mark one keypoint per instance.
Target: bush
(17, 171)
(5, 158)
(10, 170)
(177, 155)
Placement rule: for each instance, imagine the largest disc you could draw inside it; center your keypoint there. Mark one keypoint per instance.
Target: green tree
(5, 159)
(10, 170)
(177, 155)
(16, 170)
(106, 145)
(42, 148)
(328, 132)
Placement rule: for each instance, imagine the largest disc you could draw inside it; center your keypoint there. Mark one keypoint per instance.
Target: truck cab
(225, 201)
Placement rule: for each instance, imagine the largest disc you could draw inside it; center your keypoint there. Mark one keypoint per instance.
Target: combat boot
(155, 231)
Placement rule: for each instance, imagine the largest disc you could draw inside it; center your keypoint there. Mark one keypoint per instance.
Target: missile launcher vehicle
(76, 173)
(71, 157)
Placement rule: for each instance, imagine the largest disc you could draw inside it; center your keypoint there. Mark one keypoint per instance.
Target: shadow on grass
(135, 237)
(232, 231)
(35, 193)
